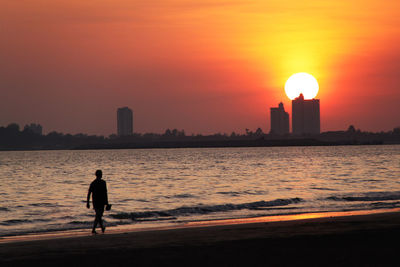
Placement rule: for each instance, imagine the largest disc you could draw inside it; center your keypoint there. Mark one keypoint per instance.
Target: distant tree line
(13, 138)
(356, 136)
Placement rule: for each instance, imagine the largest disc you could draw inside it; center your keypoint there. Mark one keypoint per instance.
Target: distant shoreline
(204, 144)
(12, 139)
(222, 144)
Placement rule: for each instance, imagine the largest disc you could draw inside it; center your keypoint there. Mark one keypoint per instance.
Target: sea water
(43, 191)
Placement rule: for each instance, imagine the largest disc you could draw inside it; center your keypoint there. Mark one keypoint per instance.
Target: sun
(301, 83)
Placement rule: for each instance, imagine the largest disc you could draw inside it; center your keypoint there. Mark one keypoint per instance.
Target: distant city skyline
(204, 67)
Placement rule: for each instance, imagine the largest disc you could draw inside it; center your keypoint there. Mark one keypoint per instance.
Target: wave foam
(185, 211)
(368, 197)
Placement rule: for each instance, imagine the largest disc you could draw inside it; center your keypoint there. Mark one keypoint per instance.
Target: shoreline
(344, 239)
(131, 228)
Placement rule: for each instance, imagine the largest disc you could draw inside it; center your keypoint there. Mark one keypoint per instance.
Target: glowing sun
(301, 83)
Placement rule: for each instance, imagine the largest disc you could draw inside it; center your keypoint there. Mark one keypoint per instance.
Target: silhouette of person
(98, 189)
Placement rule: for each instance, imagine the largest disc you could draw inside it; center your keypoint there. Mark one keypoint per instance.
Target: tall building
(279, 120)
(124, 121)
(305, 116)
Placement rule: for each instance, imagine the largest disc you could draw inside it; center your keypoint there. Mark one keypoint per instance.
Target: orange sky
(203, 66)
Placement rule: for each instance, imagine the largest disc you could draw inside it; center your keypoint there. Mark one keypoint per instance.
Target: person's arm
(88, 198)
(106, 193)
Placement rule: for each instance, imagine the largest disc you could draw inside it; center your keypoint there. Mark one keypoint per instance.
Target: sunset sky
(203, 66)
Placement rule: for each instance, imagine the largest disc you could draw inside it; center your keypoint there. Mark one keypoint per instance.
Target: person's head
(99, 174)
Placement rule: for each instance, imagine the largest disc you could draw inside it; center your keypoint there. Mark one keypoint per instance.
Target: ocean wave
(184, 196)
(230, 193)
(240, 193)
(81, 222)
(13, 222)
(47, 205)
(4, 209)
(204, 209)
(371, 196)
(385, 205)
(22, 221)
(322, 188)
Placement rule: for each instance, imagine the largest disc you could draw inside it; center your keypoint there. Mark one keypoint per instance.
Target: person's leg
(95, 224)
(99, 218)
(101, 212)
(101, 225)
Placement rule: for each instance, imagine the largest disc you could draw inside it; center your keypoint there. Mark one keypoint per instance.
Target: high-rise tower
(305, 116)
(124, 121)
(279, 120)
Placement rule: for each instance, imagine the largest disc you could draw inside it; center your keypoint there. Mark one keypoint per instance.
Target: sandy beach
(337, 240)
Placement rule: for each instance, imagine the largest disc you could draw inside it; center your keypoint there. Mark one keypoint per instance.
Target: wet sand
(357, 240)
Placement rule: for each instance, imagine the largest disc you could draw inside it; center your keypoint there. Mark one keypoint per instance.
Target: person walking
(98, 190)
